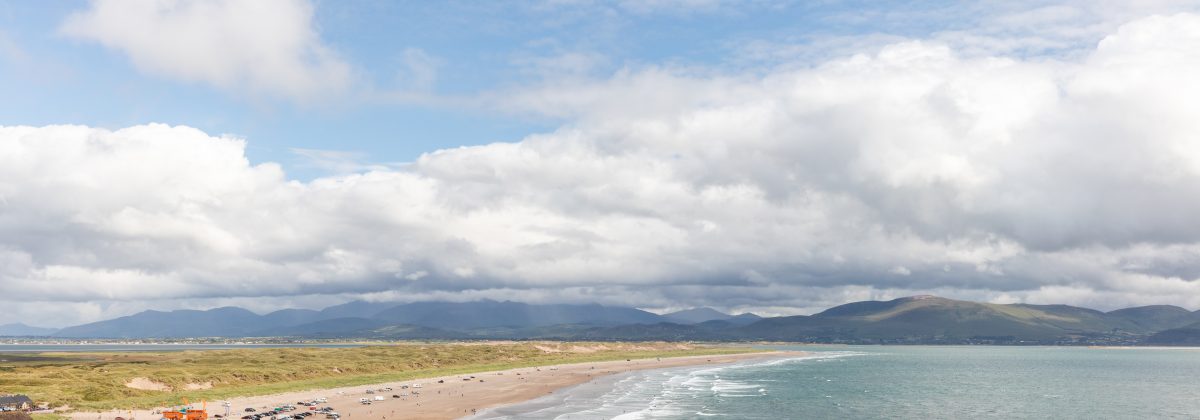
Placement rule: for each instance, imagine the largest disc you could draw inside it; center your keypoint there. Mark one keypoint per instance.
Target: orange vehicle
(187, 413)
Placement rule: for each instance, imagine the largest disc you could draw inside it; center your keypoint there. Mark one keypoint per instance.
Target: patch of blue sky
(448, 49)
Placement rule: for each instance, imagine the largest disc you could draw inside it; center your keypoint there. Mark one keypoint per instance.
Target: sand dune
(146, 384)
(457, 396)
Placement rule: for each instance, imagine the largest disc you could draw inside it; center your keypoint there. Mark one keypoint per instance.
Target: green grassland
(48, 416)
(97, 381)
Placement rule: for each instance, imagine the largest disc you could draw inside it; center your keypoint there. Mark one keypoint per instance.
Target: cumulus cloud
(915, 169)
(1022, 28)
(266, 47)
(335, 161)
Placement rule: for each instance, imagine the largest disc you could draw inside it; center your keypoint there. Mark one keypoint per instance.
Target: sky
(770, 156)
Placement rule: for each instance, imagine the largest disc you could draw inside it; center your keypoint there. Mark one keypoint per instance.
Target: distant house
(15, 403)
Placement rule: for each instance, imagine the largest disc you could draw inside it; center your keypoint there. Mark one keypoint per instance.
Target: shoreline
(455, 397)
(599, 386)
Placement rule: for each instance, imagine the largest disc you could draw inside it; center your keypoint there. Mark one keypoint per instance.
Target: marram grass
(97, 381)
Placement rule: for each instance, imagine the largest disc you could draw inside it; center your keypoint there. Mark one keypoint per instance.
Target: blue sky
(469, 48)
(770, 156)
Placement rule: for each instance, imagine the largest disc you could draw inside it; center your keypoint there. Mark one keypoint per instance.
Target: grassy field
(97, 381)
(44, 416)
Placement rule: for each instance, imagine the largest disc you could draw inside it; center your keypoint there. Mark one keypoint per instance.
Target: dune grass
(97, 381)
(48, 416)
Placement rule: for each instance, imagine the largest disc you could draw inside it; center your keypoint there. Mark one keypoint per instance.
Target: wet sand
(452, 399)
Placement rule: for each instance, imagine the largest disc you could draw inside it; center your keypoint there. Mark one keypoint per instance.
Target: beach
(446, 397)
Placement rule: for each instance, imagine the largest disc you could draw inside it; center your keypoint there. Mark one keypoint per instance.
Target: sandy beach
(456, 396)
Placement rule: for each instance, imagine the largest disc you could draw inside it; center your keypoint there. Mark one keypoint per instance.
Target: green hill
(1184, 336)
(936, 319)
(1157, 317)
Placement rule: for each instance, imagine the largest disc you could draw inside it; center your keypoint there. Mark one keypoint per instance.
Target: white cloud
(915, 169)
(266, 47)
(1023, 28)
(335, 161)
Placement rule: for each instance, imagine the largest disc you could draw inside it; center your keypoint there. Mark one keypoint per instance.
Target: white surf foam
(656, 394)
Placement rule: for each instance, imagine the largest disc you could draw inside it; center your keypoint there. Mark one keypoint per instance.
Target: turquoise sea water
(903, 382)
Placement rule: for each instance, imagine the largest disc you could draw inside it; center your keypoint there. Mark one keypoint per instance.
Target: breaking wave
(658, 394)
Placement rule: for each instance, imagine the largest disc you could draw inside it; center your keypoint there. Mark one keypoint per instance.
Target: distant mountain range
(22, 330)
(698, 315)
(911, 320)
(930, 319)
(364, 319)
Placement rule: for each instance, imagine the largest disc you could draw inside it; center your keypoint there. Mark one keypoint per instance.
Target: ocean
(897, 382)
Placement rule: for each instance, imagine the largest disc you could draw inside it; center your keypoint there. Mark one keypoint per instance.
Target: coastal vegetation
(101, 381)
(48, 416)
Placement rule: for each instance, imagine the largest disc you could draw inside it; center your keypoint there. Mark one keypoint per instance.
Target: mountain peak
(702, 310)
(921, 297)
(696, 316)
